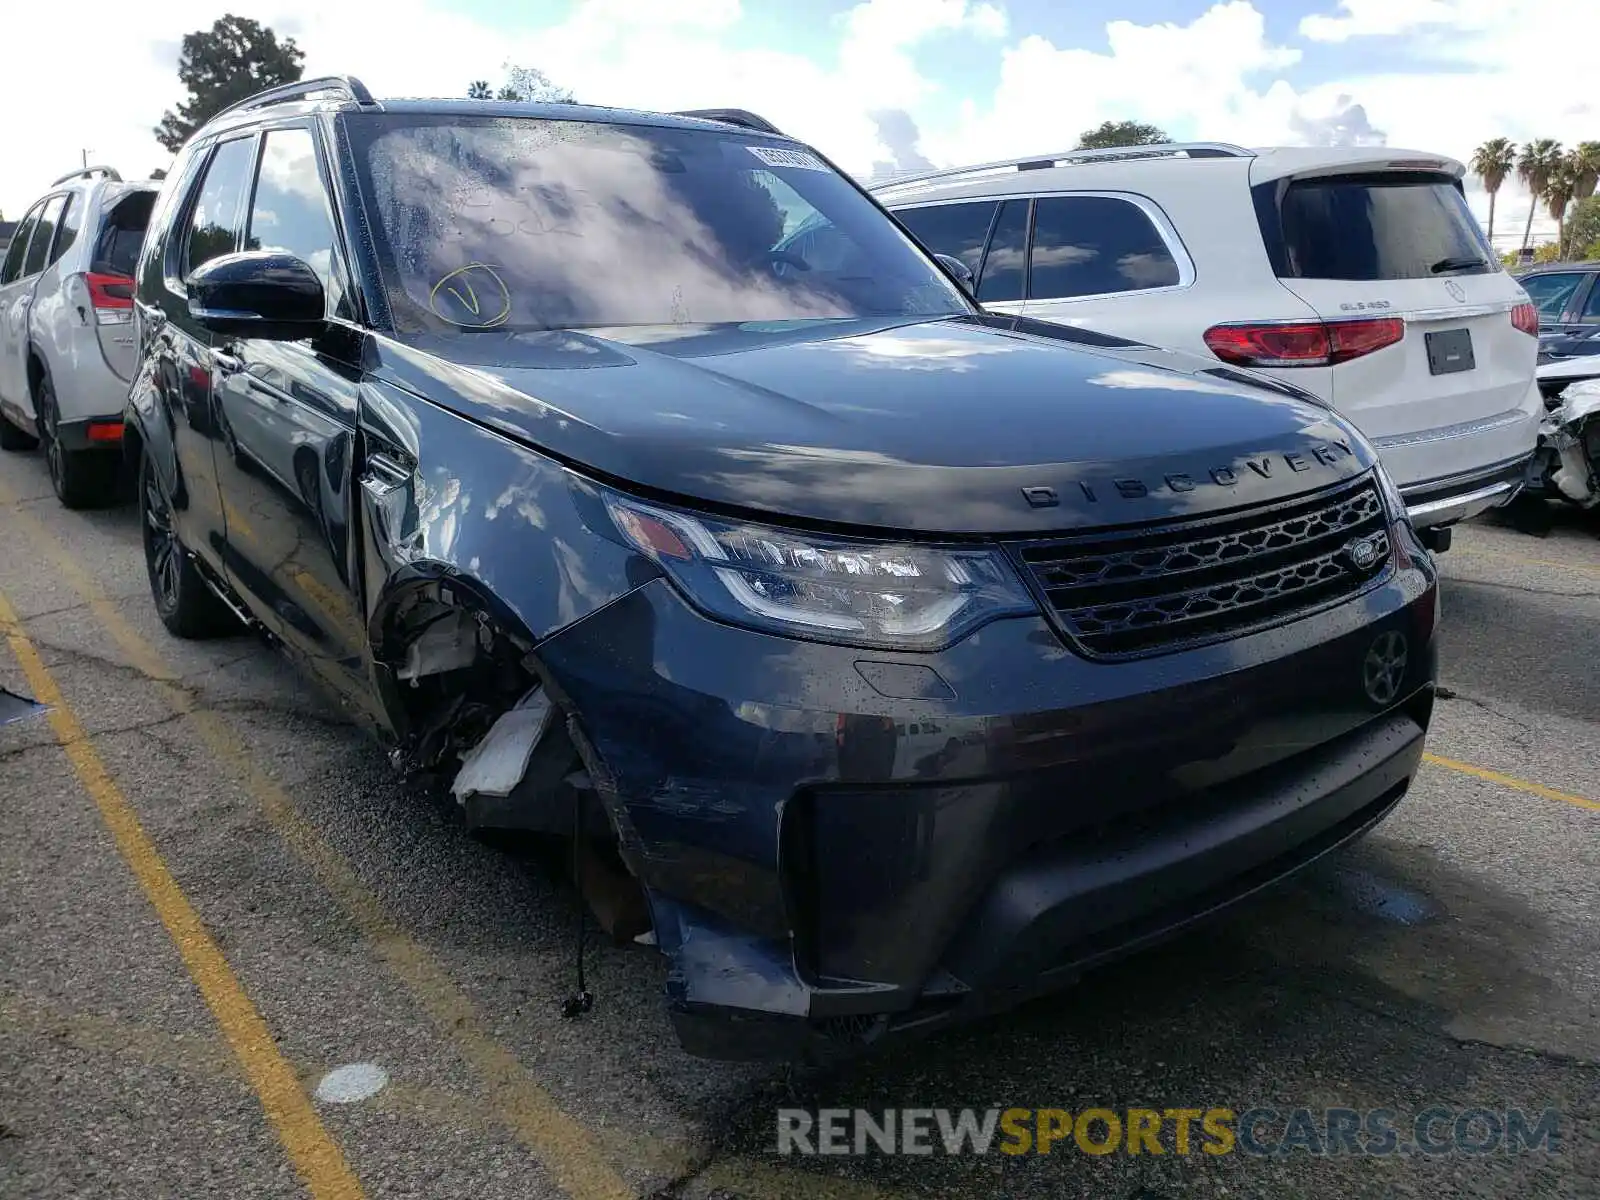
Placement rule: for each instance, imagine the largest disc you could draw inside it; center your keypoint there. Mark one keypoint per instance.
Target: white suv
(66, 328)
(1356, 274)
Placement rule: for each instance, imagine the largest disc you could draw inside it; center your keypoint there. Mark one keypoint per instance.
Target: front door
(16, 287)
(990, 237)
(287, 412)
(184, 350)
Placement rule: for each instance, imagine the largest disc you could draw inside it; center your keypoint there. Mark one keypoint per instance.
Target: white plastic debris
(352, 1083)
(496, 764)
(449, 644)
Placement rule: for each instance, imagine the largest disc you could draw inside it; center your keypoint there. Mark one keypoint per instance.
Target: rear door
(1111, 261)
(1402, 244)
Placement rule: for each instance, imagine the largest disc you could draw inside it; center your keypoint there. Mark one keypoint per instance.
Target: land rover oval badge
(1362, 552)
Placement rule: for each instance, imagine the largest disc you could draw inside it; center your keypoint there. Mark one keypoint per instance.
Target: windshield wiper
(1460, 263)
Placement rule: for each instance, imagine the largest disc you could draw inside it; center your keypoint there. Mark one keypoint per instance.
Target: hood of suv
(963, 425)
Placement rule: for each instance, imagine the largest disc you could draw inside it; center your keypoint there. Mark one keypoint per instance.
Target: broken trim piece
(497, 763)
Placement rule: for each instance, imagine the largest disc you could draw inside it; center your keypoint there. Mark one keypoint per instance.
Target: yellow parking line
(315, 1155)
(563, 1146)
(1510, 781)
(575, 1156)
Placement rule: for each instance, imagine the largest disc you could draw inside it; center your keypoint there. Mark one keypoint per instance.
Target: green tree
(478, 89)
(235, 58)
(1585, 160)
(1121, 133)
(1583, 228)
(1537, 160)
(1492, 162)
(532, 86)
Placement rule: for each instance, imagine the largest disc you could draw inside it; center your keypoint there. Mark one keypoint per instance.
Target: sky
(877, 85)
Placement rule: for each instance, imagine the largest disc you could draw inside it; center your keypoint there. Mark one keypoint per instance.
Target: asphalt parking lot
(213, 893)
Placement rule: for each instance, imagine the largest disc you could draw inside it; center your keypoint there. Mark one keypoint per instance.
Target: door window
(1095, 245)
(1005, 267)
(1552, 293)
(959, 230)
(1591, 310)
(19, 245)
(71, 224)
(290, 212)
(214, 221)
(43, 235)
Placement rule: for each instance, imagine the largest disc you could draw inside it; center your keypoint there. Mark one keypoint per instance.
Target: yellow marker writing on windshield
(476, 288)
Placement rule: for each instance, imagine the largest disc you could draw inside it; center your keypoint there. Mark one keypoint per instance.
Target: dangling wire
(581, 1001)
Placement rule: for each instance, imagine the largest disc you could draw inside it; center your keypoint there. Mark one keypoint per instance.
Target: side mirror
(258, 293)
(959, 269)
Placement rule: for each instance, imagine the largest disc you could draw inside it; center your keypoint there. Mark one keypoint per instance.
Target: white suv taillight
(111, 297)
(1526, 318)
(1302, 343)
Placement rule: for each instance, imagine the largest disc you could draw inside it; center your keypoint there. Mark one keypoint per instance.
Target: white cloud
(662, 55)
(1203, 74)
(1365, 18)
(1483, 69)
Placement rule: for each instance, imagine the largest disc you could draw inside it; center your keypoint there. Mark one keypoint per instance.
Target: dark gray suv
(639, 476)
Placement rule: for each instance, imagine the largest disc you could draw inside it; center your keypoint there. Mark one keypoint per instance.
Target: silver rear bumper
(1441, 502)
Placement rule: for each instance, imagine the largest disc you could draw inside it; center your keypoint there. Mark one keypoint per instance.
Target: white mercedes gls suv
(1357, 274)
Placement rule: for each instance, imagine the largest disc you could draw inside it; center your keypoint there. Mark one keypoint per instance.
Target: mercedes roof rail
(1039, 162)
(348, 85)
(732, 116)
(86, 172)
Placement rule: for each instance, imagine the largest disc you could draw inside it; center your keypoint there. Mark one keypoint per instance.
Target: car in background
(1358, 275)
(66, 328)
(659, 492)
(1567, 296)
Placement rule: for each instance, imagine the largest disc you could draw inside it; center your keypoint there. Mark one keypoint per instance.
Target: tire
(12, 438)
(187, 607)
(81, 478)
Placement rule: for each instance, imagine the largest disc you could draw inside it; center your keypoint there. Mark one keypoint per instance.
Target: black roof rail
(741, 117)
(349, 85)
(85, 172)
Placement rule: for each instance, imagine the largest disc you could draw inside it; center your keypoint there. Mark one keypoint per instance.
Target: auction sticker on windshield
(778, 156)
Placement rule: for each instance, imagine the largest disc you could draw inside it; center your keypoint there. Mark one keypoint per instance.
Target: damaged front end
(1569, 446)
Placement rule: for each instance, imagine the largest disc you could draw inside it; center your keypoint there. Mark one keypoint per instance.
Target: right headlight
(900, 596)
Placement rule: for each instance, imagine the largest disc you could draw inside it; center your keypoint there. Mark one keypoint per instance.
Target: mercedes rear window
(1367, 227)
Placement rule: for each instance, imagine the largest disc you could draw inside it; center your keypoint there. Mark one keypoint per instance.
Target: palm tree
(1557, 195)
(1585, 162)
(1538, 159)
(478, 89)
(1492, 162)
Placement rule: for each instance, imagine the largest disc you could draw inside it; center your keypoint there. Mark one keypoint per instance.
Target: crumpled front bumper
(840, 846)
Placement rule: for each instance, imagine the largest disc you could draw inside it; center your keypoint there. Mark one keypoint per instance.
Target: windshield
(527, 223)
